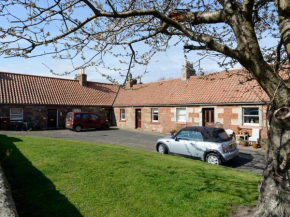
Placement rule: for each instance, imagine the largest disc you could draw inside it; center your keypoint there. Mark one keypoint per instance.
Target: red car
(85, 120)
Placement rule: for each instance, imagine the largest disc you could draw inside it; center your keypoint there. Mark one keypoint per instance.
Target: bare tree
(229, 29)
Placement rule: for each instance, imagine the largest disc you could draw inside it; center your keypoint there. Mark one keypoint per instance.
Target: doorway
(138, 118)
(208, 117)
(51, 118)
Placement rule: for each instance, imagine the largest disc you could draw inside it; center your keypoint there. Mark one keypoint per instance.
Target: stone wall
(7, 206)
(38, 113)
(228, 117)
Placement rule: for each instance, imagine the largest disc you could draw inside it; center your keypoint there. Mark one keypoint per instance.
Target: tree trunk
(283, 8)
(274, 190)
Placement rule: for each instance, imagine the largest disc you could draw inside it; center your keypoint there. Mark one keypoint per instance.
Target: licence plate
(232, 146)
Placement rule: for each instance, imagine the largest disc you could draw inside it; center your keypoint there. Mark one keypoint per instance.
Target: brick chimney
(187, 71)
(82, 77)
(130, 81)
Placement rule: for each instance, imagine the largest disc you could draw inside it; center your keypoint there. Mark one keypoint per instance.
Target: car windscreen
(218, 135)
(69, 117)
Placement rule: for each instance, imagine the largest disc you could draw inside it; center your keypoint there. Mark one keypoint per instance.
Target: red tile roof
(39, 90)
(217, 88)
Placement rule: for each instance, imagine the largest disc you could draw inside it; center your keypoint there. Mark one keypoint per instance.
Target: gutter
(192, 104)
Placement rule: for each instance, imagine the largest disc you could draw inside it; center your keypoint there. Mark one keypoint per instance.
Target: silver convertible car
(212, 145)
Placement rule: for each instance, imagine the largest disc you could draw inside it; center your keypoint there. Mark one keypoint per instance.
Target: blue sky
(165, 64)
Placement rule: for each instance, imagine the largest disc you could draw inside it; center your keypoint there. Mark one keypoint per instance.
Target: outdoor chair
(255, 136)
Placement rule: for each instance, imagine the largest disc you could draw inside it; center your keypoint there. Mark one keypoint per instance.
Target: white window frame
(250, 124)
(178, 115)
(122, 114)
(16, 119)
(154, 114)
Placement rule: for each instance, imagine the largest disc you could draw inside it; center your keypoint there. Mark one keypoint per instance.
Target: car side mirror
(176, 139)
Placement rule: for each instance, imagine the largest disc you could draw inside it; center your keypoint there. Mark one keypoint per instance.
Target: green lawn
(57, 177)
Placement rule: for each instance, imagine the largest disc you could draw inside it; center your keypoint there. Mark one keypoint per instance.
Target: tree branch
(198, 17)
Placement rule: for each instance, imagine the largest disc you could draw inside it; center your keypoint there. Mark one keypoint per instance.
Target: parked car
(85, 120)
(212, 145)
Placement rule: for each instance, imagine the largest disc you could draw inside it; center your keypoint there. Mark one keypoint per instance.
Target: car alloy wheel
(213, 159)
(162, 149)
(78, 128)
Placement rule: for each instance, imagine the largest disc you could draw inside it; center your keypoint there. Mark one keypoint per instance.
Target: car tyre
(162, 149)
(78, 128)
(213, 158)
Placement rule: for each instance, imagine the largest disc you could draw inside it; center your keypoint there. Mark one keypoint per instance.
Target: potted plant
(263, 143)
(239, 140)
(243, 142)
(239, 130)
(255, 145)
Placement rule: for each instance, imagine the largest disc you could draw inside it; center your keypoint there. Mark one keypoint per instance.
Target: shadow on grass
(33, 193)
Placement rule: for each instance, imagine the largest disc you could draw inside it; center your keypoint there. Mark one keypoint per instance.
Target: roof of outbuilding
(39, 90)
(233, 86)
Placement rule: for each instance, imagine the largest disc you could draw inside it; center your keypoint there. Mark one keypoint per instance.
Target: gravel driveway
(249, 159)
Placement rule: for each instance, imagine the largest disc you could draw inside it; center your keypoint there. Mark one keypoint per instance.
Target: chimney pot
(82, 77)
(82, 71)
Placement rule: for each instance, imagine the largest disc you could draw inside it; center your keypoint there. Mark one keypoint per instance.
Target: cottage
(45, 101)
(228, 99)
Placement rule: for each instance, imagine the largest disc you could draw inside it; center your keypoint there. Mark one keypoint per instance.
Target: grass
(57, 177)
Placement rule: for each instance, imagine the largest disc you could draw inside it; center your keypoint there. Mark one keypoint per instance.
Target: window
(199, 136)
(76, 110)
(154, 115)
(181, 114)
(94, 117)
(250, 116)
(85, 116)
(122, 114)
(186, 134)
(16, 114)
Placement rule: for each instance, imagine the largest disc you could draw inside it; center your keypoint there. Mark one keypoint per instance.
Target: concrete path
(250, 160)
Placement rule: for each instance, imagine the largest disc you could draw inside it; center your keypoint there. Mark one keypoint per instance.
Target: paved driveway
(248, 160)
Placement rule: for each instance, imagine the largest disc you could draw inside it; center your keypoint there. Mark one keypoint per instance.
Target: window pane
(85, 116)
(181, 118)
(93, 117)
(16, 111)
(16, 114)
(184, 134)
(122, 114)
(181, 111)
(181, 114)
(251, 111)
(155, 111)
(251, 115)
(154, 114)
(16, 117)
(199, 136)
(76, 110)
(251, 119)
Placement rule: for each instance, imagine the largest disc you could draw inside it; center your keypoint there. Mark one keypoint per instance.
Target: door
(51, 117)
(138, 118)
(182, 143)
(208, 117)
(94, 121)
